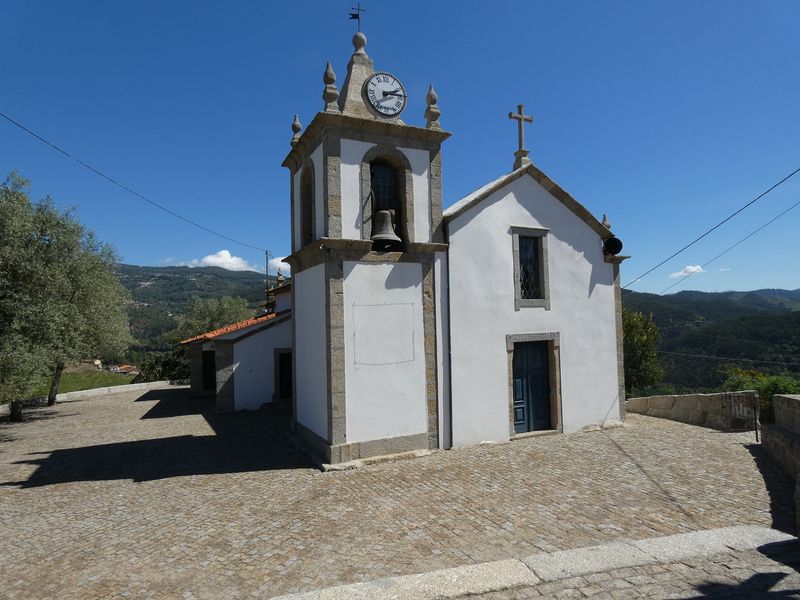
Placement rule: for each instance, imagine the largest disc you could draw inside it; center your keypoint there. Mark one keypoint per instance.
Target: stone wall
(781, 439)
(727, 410)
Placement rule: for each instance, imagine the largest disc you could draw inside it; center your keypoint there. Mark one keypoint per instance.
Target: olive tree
(60, 299)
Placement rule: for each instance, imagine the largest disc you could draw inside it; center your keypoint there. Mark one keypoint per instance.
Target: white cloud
(277, 263)
(687, 270)
(223, 259)
(723, 269)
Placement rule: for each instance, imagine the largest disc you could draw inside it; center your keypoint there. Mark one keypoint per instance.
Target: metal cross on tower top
(357, 15)
(521, 156)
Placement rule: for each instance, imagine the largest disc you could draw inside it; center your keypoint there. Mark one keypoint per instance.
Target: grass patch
(73, 382)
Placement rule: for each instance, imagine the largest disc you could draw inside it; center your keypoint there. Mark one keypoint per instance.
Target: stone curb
(5, 409)
(539, 568)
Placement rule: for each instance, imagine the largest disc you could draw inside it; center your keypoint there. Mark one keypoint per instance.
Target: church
(408, 327)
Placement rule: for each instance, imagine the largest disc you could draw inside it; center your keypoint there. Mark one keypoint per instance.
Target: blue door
(531, 373)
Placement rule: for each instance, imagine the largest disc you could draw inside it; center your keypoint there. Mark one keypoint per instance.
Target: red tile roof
(234, 327)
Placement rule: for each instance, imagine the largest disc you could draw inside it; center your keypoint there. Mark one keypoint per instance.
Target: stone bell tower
(368, 266)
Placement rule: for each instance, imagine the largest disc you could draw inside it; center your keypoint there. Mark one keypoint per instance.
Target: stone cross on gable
(521, 156)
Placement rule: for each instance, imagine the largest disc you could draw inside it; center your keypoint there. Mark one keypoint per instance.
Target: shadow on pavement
(780, 488)
(242, 442)
(759, 585)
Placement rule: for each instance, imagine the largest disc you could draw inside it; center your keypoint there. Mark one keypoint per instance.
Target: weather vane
(357, 15)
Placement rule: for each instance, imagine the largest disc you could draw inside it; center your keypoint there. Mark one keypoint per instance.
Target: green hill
(162, 294)
(754, 330)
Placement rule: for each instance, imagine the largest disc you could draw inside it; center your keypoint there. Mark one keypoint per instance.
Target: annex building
(408, 327)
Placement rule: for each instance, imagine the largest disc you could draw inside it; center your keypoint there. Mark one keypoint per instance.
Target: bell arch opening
(386, 185)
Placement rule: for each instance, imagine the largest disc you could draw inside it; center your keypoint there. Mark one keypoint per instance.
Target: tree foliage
(767, 385)
(211, 313)
(640, 337)
(60, 300)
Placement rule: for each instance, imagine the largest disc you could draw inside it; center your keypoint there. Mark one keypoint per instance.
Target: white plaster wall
(384, 350)
(283, 302)
(420, 176)
(442, 347)
(296, 211)
(482, 312)
(352, 151)
(311, 382)
(319, 173)
(254, 365)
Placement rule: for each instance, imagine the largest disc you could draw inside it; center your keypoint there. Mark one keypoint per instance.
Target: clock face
(386, 94)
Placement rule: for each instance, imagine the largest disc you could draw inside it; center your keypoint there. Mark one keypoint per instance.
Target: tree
(60, 300)
(765, 384)
(640, 337)
(211, 313)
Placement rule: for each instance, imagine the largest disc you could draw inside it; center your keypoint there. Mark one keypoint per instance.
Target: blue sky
(667, 116)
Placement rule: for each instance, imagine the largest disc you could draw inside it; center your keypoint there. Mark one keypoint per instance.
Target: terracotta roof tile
(233, 327)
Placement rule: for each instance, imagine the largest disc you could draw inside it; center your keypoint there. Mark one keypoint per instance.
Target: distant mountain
(162, 294)
(760, 330)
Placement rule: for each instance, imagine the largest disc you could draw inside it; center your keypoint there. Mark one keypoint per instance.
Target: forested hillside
(754, 330)
(162, 294)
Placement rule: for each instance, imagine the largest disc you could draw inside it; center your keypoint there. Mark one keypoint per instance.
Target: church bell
(382, 230)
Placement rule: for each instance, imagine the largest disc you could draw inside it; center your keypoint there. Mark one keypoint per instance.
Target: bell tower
(368, 266)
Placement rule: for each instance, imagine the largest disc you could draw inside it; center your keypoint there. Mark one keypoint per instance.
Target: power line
(126, 188)
(749, 235)
(752, 360)
(725, 220)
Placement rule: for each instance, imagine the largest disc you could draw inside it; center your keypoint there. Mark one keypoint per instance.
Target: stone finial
(432, 112)
(606, 222)
(279, 278)
(359, 43)
(296, 129)
(330, 94)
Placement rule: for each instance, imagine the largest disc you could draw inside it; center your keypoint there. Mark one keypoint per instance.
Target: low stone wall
(781, 440)
(726, 410)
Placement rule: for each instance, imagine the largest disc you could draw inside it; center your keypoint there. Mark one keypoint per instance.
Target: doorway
(283, 377)
(209, 370)
(531, 387)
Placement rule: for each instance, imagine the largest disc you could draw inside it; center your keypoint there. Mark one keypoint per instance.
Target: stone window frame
(553, 339)
(307, 204)
(541, 235)
(405, 185)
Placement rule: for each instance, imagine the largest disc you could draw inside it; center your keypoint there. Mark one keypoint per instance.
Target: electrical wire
(126, 188)
(724, 252)
(752, 360)
(717, 226)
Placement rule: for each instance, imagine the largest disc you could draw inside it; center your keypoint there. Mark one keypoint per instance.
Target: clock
(385, 94)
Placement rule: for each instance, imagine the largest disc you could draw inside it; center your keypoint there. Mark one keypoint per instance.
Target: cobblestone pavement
(751, 574)
(155, 496)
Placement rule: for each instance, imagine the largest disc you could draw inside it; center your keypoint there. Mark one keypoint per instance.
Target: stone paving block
(583, 561)
(448, 583)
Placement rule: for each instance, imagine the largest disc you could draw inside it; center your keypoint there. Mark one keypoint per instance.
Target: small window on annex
(530, 268)
(386, 195)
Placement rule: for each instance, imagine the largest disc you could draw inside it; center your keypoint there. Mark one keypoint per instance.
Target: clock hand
(393, 93)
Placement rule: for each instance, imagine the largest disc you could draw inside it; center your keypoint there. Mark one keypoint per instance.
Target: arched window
(307, 205)
(386, 194)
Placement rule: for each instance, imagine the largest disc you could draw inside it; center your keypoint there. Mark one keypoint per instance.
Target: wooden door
(531, 374)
